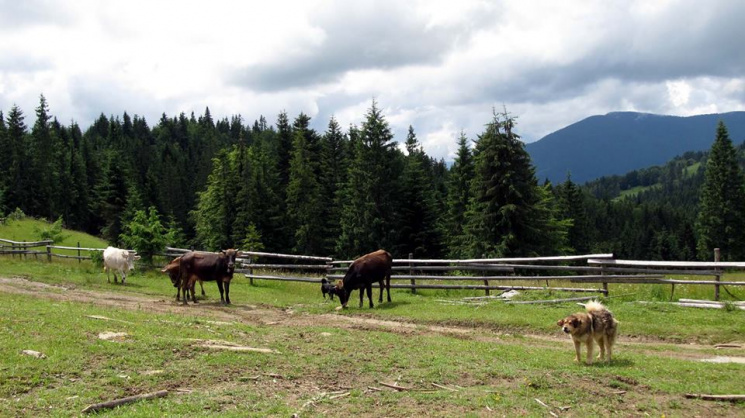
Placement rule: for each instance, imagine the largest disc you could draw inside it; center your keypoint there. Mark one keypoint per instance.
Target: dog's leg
(601, 345)
(577, 345)
(609, 348)
(590, 344)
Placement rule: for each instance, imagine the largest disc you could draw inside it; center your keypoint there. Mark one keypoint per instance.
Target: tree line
(211, 184)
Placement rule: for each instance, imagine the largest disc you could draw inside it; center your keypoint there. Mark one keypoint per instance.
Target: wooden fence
(24, 249)
(489, 273)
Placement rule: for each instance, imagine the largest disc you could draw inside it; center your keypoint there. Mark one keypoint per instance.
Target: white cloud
(440, 66)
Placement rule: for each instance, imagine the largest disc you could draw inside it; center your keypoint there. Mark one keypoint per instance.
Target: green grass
(24, 230)
(508, 356)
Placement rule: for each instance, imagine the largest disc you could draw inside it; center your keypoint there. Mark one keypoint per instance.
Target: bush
(52, 233)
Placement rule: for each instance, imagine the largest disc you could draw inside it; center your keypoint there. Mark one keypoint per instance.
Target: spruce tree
(18, 183)
(368, 209)
(417, 232)
(304, 205)
(334, 165)
(509, 214)
(721, 219)
(458, 197)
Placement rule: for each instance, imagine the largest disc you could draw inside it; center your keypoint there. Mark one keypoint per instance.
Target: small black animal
(328, 288)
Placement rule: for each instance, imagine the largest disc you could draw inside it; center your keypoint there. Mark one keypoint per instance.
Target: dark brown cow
(173, 269)
(207, 267)
(362, 273)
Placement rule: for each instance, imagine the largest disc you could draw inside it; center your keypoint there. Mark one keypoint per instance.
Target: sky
(440, 66)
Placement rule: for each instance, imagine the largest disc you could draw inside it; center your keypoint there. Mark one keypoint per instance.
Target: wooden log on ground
(729, 398)
(129, 399)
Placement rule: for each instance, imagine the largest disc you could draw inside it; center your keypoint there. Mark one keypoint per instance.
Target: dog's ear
(324, 281)
(560, 322)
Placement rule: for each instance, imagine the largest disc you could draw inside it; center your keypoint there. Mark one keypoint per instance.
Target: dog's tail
(594, 306)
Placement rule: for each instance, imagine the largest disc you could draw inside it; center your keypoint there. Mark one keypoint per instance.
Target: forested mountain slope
(619, 142)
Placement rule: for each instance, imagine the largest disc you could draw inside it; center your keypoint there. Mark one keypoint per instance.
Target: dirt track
(252, 314)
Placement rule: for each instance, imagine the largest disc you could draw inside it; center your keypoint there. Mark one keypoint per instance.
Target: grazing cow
(362, 273)
(173, 269)
(328, 288)
(208, 266)
(119, 260)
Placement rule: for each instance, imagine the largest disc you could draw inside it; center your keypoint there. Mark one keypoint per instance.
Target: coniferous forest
(196, 181)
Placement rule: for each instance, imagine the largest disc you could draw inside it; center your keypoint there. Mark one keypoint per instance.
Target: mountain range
(619, 142)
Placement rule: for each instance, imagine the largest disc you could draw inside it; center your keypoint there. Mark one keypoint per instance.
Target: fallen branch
(528, 302)
(373, 388)
(339, 396)
(237, 348)
(104, 318)
(546, 406)
(728, 346)
(399, 388)
(444, 387)
(730, 398)
(122, 401)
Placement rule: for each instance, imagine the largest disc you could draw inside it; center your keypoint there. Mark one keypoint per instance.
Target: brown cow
(208, 266)
(173, 270)
(362, 273)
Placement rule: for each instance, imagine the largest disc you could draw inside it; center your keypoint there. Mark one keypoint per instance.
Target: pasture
(280, 350)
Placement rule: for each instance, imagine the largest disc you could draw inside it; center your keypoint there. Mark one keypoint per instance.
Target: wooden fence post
(411, 273)
(79, 260)
(605, 284)
(250, 270)
(717, 257)
(49, 253)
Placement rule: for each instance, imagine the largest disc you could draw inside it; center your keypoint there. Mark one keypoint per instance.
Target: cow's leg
(108, 278)
(362, 295)
(227, 292)
(221, 289)
(201, 284)
(115, 280)
(368, 288)
(192, 287)
(185, 288)
(380, 299)
(124, 277)
(388, 285)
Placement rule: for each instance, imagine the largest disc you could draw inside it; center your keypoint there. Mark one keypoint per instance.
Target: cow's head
(341, 292)
(230, 256)
(173, 271)
(130, 256)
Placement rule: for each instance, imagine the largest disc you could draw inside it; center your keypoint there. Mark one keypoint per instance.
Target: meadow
(281, 349)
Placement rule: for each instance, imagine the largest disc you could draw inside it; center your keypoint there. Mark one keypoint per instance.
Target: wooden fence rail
(599, 269)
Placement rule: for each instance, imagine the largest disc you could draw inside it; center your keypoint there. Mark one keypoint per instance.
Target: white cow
(116, 259)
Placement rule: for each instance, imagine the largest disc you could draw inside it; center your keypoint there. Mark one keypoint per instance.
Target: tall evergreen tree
(304, 205)
(334, 167)
(721, 219)
(369, 211)
(418, 233)
(44, 176)
(509, 214)
(458, 197)
(571, 207)
(18, 183)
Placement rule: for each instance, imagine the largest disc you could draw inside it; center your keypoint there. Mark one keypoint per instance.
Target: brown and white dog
(595, 325)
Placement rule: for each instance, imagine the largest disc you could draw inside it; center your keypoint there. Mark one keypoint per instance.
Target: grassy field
(492, 359)
(280, 350)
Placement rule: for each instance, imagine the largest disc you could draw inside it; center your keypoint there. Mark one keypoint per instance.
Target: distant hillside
(620, 142)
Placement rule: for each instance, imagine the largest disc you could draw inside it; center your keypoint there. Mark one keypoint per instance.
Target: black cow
(362, 273)
(207, 267)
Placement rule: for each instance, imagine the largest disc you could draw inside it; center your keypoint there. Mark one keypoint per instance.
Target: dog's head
(570, 323)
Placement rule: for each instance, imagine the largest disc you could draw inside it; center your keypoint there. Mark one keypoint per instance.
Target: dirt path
(252, 314)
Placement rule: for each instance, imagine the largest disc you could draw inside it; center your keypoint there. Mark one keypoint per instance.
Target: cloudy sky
(440, 66)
